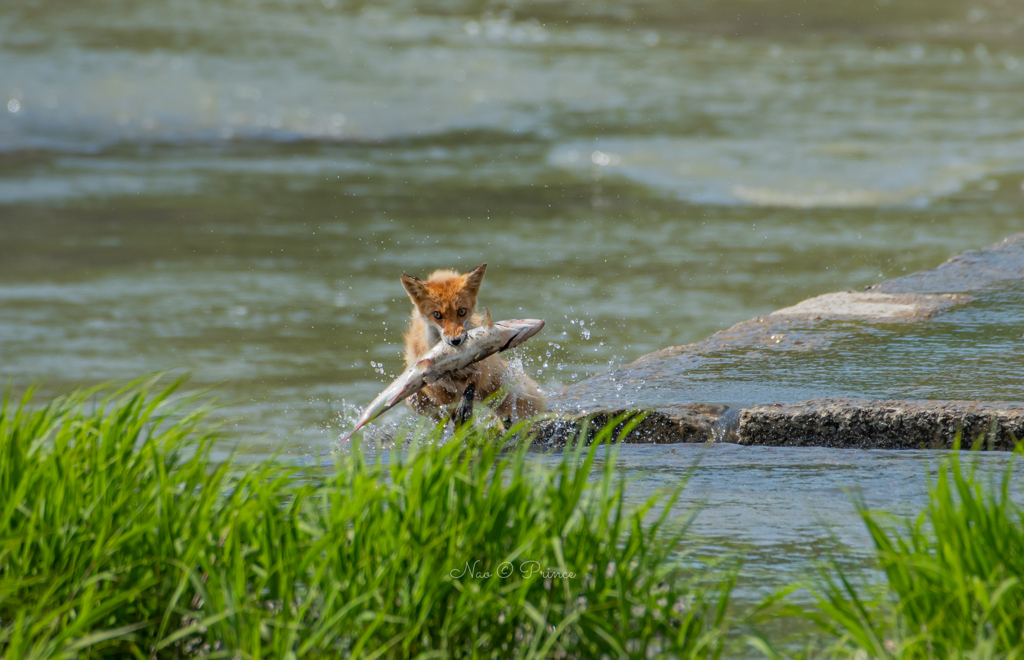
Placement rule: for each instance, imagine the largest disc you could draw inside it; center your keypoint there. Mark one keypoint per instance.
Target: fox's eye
(462, 311)
(437, 315)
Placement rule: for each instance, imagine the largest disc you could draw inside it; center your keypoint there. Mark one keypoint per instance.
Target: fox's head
(446, 301)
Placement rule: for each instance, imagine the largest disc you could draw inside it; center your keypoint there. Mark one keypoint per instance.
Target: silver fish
(481, 342)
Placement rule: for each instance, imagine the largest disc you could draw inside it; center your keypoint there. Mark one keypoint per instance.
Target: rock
(755, 366)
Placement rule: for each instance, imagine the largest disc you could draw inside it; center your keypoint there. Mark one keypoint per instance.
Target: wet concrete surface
(973, 270)
(845, 369)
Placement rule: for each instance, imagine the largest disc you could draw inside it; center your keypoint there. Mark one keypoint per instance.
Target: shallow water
(781, 510)
(232, 188)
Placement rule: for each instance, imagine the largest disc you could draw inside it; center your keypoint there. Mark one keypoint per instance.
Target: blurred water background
(232, 187)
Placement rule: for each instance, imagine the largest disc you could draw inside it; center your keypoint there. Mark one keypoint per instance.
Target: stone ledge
(840, 423)
(691, 423)
(866, 424)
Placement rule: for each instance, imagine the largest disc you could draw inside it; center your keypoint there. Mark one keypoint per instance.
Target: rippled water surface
(779, 509)
(232, 188)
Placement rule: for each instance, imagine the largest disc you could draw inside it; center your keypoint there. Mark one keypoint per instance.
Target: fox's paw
(464, 412)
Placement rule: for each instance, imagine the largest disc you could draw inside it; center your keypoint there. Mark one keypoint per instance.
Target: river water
(232, 187)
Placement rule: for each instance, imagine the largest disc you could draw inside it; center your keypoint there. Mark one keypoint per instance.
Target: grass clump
(119, 537)
(954, 577)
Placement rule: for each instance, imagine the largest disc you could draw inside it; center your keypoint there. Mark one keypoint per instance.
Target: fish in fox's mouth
(444, 359)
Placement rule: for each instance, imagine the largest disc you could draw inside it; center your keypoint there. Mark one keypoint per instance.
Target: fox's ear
(474, 278)
(415, 287)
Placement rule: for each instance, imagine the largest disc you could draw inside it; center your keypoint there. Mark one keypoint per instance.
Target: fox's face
(446, 301)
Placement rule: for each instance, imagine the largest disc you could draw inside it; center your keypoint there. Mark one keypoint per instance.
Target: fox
(444, 309)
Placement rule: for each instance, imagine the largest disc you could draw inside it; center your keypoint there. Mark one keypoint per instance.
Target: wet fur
(447, 291)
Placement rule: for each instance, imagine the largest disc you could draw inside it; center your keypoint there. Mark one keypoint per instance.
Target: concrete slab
(873, 306)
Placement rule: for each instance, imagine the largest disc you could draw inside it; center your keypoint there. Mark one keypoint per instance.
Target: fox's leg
(464, 412)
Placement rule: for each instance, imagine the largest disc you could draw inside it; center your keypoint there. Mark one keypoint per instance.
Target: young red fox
(443, 310)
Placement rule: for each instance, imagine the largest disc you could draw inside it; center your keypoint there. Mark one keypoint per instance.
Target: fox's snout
(456, 340)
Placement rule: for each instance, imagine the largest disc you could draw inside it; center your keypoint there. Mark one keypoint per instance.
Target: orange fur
(453, 297)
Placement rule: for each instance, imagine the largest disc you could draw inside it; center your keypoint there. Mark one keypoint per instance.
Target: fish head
(520, 330)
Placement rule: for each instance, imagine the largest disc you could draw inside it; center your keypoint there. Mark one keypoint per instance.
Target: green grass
(954, 577)
(119, 537)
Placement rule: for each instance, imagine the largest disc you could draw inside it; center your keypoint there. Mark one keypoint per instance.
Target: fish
(483, 341)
